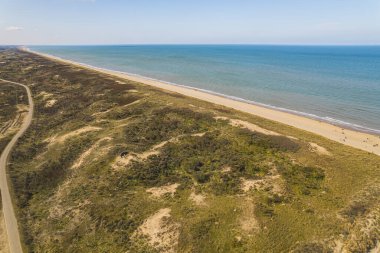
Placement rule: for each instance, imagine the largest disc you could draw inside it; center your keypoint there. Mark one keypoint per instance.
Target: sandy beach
(363, 141)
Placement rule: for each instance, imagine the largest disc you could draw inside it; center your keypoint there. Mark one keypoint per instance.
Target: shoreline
(366, 141)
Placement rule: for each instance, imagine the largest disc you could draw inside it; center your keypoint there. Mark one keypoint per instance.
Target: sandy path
(363, 141)
(8, 211)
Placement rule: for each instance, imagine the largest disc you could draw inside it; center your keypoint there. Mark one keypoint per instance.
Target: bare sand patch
(115, 107)
(88, 152)
(123, 161)
(247, 125)
(313, 147)
(252, 127)
(102, 112)
(62, 138)
(226, 169)
(250, 184)
(338, 246)
(198, 134)
(45, 95)
(271, 182)
(133, 103)
(153, 151)
(50, 103)
(198, 199)
(221, 117)
(158, 192)
(162, 233)
(22, 108)
(267, 183)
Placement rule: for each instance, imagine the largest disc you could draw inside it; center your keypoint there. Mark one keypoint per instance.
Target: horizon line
(192, 44)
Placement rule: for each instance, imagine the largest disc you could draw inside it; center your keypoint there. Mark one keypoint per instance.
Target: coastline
(361, 140)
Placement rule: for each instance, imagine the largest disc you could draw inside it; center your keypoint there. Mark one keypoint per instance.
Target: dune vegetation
(111, 165)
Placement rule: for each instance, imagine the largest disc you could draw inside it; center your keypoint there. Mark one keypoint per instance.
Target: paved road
(9, 213)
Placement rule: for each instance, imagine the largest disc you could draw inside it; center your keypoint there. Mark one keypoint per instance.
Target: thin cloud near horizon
(13, 28)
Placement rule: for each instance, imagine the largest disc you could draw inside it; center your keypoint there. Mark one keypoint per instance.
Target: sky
(63, 22)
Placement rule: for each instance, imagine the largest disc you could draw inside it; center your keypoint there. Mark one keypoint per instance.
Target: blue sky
(189, 21)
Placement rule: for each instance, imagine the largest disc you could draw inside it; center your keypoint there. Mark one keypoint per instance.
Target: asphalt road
(8, 210)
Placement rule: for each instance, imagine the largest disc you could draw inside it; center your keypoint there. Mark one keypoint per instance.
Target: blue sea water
(338, 84)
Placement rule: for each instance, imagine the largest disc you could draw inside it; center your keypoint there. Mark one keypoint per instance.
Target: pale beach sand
(363, 141)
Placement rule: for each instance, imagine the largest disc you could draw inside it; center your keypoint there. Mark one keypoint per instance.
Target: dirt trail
(8, 210)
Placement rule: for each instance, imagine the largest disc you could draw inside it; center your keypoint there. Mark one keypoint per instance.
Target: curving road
(8, 210)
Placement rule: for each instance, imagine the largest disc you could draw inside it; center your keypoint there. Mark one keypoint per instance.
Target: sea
(335, 84)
